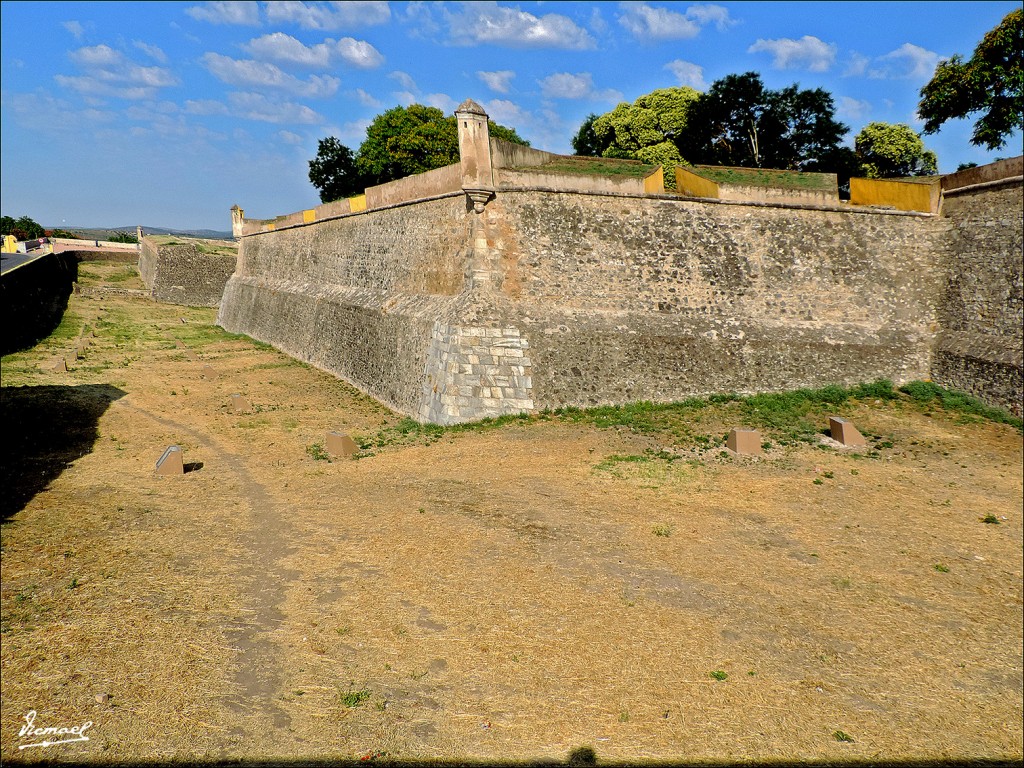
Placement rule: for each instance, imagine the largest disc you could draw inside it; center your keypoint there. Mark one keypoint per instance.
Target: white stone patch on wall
(473, 372)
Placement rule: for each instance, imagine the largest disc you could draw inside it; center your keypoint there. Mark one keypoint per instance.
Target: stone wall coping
(387, 207)
(716, 201)
(1009, 181)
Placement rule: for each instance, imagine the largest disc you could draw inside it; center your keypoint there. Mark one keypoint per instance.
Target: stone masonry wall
(981, 349)
(629, 298)
(181, 274)
(358, 296)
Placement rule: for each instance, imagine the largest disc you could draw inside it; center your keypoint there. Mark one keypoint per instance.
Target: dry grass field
(610, 581)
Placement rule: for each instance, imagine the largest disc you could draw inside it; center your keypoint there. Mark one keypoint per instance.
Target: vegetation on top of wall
(593, 166)
(765, 177)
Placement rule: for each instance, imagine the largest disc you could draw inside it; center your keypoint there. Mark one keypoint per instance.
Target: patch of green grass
(353, 699)
(990, 519)
(929, 393)
(662, 530)
(719, 675)
(941, 568)
(593, 166)
(842, 736)
(317, 452)
(764, 177)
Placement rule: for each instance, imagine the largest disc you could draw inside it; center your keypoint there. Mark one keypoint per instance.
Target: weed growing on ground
(719, 675)
(990, 519)
(941, 568)
(842, 736)
(662, 530)
(353, 699)
(317, 452)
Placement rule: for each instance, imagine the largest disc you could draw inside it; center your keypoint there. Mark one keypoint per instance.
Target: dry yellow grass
(498, 594)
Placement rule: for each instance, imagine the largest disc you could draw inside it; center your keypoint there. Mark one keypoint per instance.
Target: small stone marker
(340, 444)
(844, 432)
(179, 344)
(61, 365)
(80, 350)
(208, 372)
(171, 462)
(239, 403)
(746, 442)
(191, 355)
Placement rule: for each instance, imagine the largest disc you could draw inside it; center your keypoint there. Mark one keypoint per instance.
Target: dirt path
(514, 593)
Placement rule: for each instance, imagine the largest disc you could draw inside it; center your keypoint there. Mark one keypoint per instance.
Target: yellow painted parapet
(357, 203)
(308, 216)
(10, 244)
(689, 184)
(900, 194)
(654, 183)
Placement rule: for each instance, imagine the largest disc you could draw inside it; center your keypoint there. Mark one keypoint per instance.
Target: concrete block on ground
(340, 444)
(208, 372)
(844, 432)
(171, 463)
(746, 442)
(239, 403)
(60, 364)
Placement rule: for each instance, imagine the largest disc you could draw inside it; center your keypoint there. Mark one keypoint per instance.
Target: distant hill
(102, 233)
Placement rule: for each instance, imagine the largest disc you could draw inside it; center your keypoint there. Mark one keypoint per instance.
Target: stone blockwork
(476, 372)
(981, 349)
(182, 274)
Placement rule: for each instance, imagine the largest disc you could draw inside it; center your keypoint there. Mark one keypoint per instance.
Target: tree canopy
(399, 142)
(991, 82)
(739, 122)
(22, 228)
(886, 150)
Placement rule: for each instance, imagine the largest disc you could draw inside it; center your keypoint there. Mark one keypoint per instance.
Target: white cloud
(687, 73)
(497, 81)
(808, 53)
(491, 24)
(285, 49)
(152, 51)
(564, 85)
(507, 113)
(405, 98)
(908, 61)
(856, 65)
(442, 101)
(328, 16)
(366, 99)
(404, 79)
(852, 109)
(109, 73)
(290, 138)
(648, 22)
(256, 106)
(707, 14)
(226, 12)
(75, 28)
(246, 72)
(205, 107)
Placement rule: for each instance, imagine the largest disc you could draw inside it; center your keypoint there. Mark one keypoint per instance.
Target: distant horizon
(206, 105)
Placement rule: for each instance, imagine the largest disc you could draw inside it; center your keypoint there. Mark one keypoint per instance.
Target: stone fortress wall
(503, 288)
(182, 274)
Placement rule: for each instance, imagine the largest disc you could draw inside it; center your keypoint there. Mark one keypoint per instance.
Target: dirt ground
(514, 593)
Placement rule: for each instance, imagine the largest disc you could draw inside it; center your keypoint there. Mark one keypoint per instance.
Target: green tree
(399, 142)
(887, 151)
(333, 171)
(585, 142)
(123, 237)
(653, 119)
(739, 122)
(22, 228)
(991, 82)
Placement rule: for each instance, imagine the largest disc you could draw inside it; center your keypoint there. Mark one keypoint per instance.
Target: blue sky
(168, 113)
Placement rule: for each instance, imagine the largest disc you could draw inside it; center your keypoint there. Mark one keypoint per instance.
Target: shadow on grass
(45, 429)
